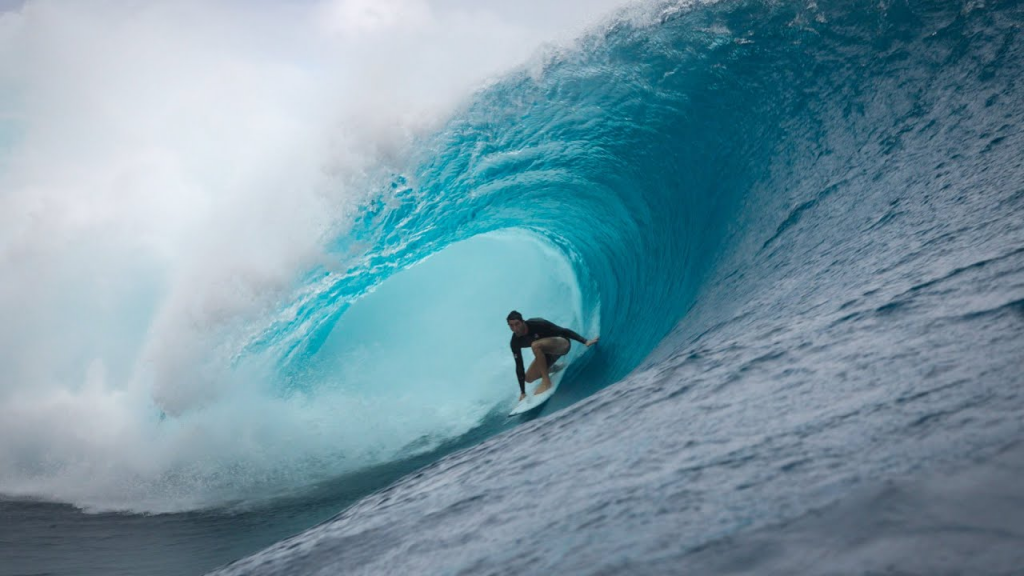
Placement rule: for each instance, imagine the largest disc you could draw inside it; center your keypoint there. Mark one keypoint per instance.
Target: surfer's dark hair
(513, 315)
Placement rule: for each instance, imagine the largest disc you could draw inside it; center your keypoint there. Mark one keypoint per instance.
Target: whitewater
(254, 311)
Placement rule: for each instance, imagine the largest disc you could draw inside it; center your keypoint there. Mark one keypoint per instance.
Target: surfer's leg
(554, 346)
(541, 362)
(541, 348)
(552, 367)
(533, 372)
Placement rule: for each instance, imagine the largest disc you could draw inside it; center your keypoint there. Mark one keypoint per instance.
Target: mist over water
(172, 179)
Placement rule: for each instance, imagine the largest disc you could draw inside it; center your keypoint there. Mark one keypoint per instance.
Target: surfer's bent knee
(551, 345)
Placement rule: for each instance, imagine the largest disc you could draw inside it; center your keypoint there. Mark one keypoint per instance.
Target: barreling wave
(599, 186)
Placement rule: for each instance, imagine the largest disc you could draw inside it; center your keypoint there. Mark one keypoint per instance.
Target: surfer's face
(517, 326)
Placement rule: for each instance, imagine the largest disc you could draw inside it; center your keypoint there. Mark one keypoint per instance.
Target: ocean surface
(797, 227)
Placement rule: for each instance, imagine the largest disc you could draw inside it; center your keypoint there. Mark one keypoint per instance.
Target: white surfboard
(534, 400)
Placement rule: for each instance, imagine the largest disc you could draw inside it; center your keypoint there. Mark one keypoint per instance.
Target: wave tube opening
(424, 356)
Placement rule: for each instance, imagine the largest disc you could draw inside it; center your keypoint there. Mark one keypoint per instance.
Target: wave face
(826, 194)
(595, 187)
(611, 156)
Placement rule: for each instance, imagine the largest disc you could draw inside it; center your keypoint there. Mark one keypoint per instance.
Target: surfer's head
(515, 323)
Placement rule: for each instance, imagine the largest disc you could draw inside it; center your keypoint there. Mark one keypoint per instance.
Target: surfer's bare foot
(544, 385)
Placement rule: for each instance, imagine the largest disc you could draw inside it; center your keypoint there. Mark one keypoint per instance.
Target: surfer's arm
(551, 329)
(566, 333)
(520, 371)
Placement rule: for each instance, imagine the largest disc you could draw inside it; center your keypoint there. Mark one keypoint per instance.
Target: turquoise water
(797, 228)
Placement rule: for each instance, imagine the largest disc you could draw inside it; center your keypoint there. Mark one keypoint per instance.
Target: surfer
(548, 341)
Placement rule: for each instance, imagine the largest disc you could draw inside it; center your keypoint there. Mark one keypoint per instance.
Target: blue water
(798, 229)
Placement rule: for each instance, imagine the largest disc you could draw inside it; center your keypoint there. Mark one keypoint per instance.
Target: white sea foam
(167, 170)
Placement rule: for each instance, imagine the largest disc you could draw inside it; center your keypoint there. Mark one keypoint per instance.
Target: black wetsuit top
(538, 328)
